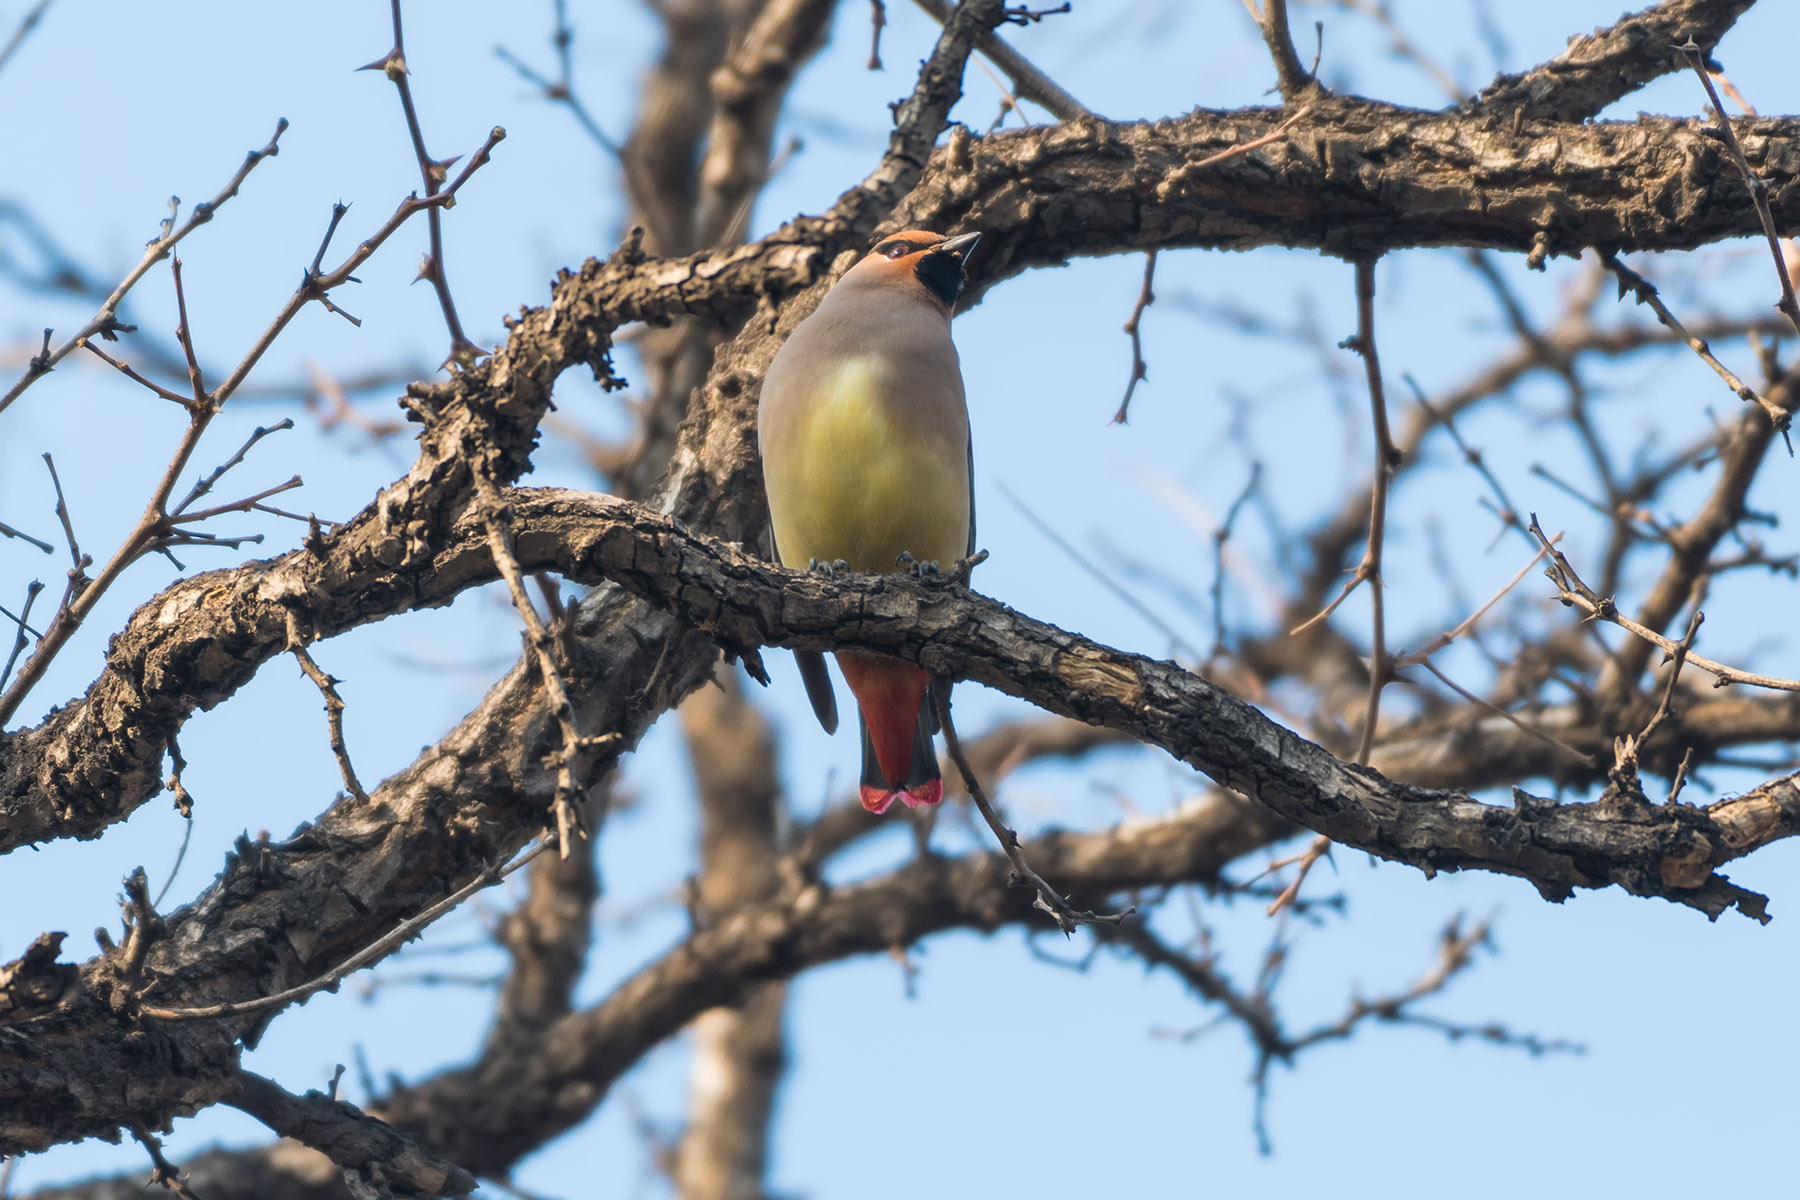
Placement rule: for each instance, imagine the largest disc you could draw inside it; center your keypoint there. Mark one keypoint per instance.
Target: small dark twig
(26, 24)
(399, 935)
(1024, 15)
(187, 836)
(1759, 188)
(8, 531)
(1140, 370)
(1644, 292)
(1575, 592)
(23, 621)
(334, 714)
(137, 377)
(1048, 898)
(338, 209)
(184, 335)
(877, 19)
(78, 562)
(163, 1172)
(106, 319)
(205, 485)
(562, 90)
(433, 172)
(1220, 536)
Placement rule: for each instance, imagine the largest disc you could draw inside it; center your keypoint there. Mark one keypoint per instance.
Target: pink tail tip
(878, 800)
(923, 794)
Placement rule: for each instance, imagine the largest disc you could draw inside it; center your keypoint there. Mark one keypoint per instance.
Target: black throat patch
(942, 275)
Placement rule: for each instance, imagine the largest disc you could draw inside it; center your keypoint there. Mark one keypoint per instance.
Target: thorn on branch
(163, 1173)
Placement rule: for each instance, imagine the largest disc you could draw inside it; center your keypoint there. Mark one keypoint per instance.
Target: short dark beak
(959, 246)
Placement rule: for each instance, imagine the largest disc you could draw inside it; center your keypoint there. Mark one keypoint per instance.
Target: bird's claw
(921, 570)
(831, 570)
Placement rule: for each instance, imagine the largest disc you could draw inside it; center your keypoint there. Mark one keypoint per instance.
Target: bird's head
(915, 258)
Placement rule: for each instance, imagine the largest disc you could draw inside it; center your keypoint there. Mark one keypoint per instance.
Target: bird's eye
(899, 250)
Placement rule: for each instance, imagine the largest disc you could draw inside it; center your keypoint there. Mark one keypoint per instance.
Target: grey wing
(971, 548)
(928, 719)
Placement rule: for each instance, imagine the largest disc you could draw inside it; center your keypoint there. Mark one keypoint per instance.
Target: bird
(868, 466)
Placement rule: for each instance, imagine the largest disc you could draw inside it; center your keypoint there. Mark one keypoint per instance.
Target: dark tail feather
(817, 678)
(924, 782)
(928, 717)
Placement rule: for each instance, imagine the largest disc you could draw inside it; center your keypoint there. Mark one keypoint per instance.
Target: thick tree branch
(1609, 63)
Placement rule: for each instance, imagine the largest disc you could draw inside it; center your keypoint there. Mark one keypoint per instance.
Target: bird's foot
(830, 570)
(912, 566)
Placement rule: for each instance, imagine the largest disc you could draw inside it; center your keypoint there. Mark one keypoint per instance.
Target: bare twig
(1179, 178)
(105, 320)
(8, 531)
(153, 531)
(23, 621)
(27, 23)
(877, 20)
(1577, 593)
(1291, 78)
(576, 752)
(1139, 369)
(395, 937)
(1048, 898)
(433, 172)
(1759, 189)
(1220, 536)
(1028, 81)
(1387, 460)
(1645, 292)
(163, 1172)
(561, 90)
(334, 714)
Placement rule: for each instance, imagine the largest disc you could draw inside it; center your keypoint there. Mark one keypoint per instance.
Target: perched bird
(866, 458)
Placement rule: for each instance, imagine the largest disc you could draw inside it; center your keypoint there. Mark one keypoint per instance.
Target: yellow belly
(856, 486)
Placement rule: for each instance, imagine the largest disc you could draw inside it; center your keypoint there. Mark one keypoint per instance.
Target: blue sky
(1002, 1070)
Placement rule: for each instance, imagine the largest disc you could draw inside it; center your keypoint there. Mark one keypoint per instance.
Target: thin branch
(1759, 188)
(402, 933)
(1139, 369)
(433, 173)
(562, 89)
(334, 715)
(576, 753)
(1579, 594)
(153, 530)
(1048, 898)
(26, 24)
(1645, 293)
(8, 531)
(105, 320)
(23, 621)
(163, 1171)
(1291, 78)
(1027, 81)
